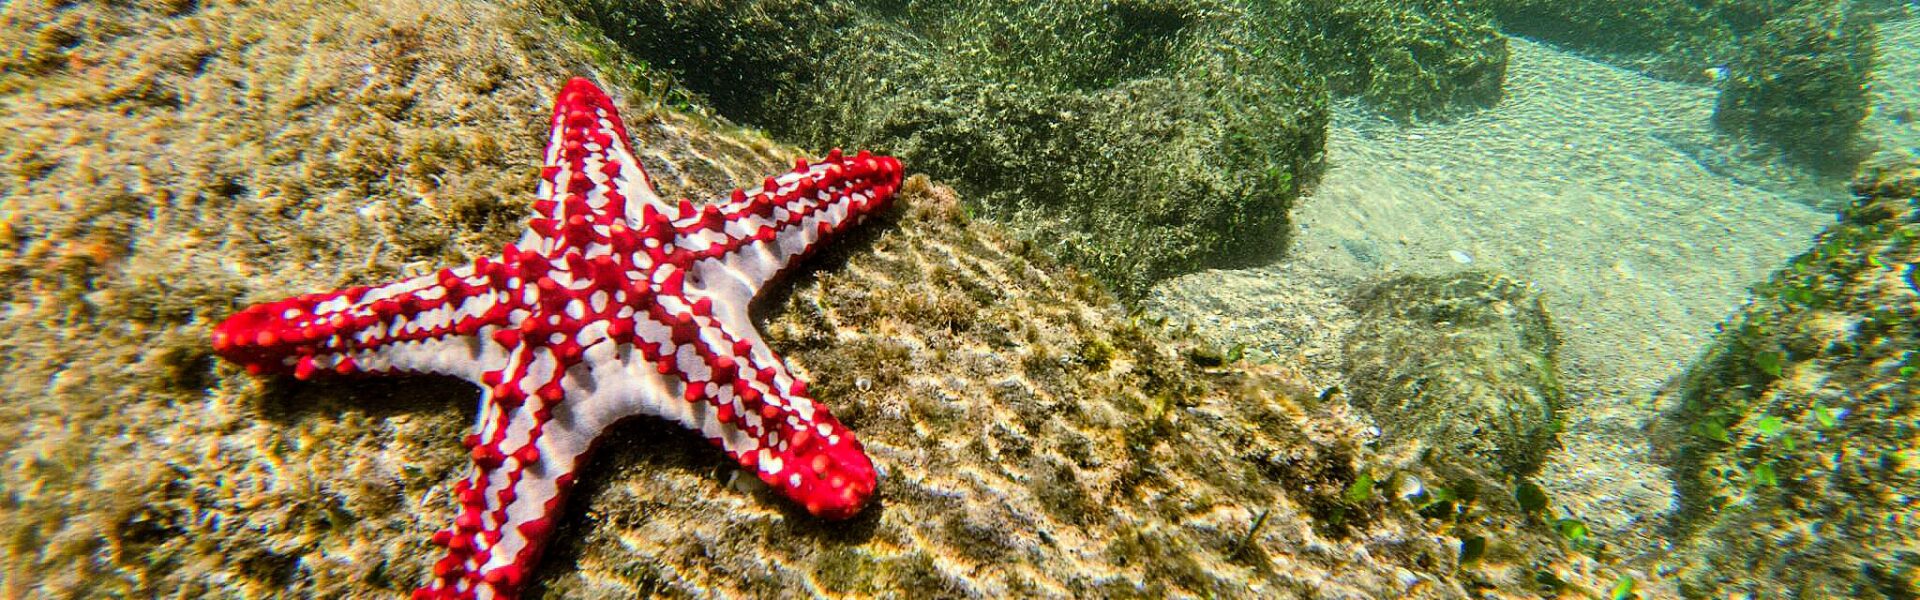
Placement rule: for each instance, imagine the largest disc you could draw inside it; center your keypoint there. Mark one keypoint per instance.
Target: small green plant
(1532, 499)
(1763, 475)
(1623, 589)
(1574, 531)
(1361, 490)
(1826, 417)
(1472, 548)
(1770, 362)
(1774, 428)
(1712, 430)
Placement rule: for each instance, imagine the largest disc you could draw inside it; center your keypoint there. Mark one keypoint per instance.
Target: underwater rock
(1425, 59)
(1683, 40)
(606, 308)
(1621, 27)
(1800, 84)
(182, 160)
(1463, 363)
(1138, 139)
(1793, 442)
(179, 159)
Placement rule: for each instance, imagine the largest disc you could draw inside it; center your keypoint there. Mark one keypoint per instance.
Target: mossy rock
(1464, 363)
(1423, 60)
(742, 56)
(1608, 26)
(1138, 139)
(1682, 40)
(1800, 84)
(1793, 444)
(1673, 39)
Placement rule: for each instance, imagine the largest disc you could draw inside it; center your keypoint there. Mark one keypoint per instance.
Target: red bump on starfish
(613, 304)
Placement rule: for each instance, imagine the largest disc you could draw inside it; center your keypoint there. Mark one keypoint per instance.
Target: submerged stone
(1793, 442)
(1800, 84)
(1463, 363)
(1138, 139)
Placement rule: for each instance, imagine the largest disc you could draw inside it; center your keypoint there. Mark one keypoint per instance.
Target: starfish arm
(422, 324)
(738, 393)
(535, 426)
(591, 180)
(755, 235)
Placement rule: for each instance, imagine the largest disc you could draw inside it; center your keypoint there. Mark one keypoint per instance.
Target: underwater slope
(1573, 182)
(168, 163)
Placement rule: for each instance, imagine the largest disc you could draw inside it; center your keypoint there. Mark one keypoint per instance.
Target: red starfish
(613, 304)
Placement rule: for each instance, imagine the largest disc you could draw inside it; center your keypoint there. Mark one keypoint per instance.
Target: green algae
(1410, 60)
(1797, 418)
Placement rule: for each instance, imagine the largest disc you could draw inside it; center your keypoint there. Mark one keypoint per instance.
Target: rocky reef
(166, 163)
(1672, 30)
(1794, 441)
(162, 164)
(1137, 140)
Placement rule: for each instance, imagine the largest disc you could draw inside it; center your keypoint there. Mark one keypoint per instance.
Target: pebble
(1407, 578)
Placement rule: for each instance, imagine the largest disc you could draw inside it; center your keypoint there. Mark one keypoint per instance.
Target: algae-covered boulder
(1422, 59)
(1794, 443)
(1620, 27)
(1136, 159)
(1464, 363)
(745, 57)
(1137, 139)
(1686, 40)
(1800, 84)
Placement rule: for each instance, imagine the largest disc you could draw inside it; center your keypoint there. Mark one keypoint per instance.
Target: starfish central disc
(614, 304)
